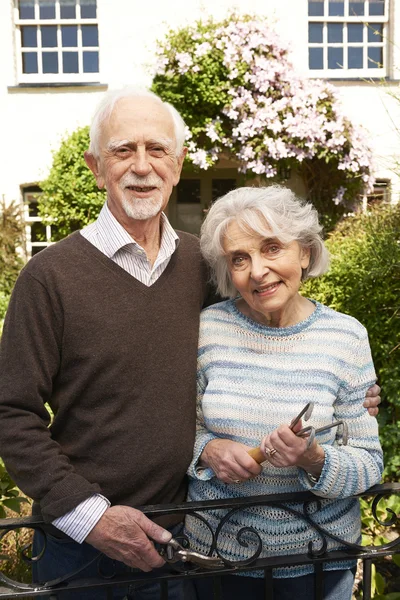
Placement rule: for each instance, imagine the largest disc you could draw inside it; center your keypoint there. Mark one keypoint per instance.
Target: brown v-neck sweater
(116, 361)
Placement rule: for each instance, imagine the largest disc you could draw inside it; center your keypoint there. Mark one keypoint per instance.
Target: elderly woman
(263, 355)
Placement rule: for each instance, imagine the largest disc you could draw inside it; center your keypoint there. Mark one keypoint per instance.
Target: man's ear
(93, 165)
(179, 165)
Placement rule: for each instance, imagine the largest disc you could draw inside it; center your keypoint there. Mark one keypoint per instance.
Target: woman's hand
(292, 451)
(229, 460)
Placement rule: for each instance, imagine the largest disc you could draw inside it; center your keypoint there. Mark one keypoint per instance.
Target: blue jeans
(337, 586)
(64, 556)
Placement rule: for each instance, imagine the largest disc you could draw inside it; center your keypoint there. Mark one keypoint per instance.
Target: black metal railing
(297, 504)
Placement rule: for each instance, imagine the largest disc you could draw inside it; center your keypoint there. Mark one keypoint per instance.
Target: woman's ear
(305, 257)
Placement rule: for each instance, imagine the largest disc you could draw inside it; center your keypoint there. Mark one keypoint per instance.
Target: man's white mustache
(141, 181)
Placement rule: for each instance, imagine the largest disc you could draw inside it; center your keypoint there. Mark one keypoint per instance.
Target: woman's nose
(259, 268)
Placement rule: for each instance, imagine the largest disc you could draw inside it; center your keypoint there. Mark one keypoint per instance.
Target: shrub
(70, 198)
(234, 85)
(364, 281)
(11, 242)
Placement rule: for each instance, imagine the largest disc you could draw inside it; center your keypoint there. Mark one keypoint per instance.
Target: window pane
(221, 187)
(33, 209)
(68, 9)
(315, 58)
(29, 37)
(375, 58)
(49, 36)
(315, 8)
(38, 232)
(188, 191)
(315, 33)
(335, 58)
(37, 249)
(29, 62)
(90, 35)
(26, 9)
(355, 58)
(336, 8)
(377, 8)
(335, 33)
(50, 62)
(53, 232)
(69, 36)
(375, 32)
(88, 9)
(47, 9)
(355, 32)
(90, 62)
(70, 62)
(356, 8)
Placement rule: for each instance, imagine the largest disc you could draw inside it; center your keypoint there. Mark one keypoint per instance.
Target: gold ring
(271, 451)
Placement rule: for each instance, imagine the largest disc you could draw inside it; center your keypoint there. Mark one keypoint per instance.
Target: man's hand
(229, 460)
(123, 534)
(372, 400)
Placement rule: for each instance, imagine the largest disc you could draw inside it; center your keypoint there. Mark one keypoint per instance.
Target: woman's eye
(238, 261)
(273, 248)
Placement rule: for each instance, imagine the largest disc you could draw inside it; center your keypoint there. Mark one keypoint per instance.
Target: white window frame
(366, 20)
(28, 198)
(381, 194)
(60, 77)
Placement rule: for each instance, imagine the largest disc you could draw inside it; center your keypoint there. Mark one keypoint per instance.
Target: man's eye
(123, 150)
(157, 150)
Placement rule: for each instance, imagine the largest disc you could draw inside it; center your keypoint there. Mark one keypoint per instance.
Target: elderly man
(103, 326)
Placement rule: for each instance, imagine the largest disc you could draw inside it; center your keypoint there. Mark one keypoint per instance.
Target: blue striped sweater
(251, 378)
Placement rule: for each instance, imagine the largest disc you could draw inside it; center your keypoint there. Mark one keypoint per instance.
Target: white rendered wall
(32, 121)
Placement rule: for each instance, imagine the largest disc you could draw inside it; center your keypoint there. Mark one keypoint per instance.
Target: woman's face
(267, 274)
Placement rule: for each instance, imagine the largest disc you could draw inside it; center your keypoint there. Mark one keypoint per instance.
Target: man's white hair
(106, 106)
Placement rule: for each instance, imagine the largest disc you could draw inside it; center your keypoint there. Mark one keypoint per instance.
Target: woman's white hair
(267, 211)
(106, 106)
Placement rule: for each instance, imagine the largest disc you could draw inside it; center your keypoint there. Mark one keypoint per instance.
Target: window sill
(23, 87)
(343, 79)
(362, 79)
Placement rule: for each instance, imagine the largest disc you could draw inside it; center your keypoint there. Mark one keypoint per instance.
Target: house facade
(59, 56)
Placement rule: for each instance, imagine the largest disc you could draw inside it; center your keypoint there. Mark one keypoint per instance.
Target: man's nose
(141, 164)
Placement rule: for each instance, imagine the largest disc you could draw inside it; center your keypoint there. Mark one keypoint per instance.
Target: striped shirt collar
(112, 236)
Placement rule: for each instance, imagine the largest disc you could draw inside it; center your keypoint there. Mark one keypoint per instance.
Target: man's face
(137, 165)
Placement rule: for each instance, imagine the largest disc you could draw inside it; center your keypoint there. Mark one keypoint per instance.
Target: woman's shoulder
(341, 321)
(215, 311)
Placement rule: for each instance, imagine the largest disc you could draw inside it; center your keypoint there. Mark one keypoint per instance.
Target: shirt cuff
(195, 470)
(79, 522)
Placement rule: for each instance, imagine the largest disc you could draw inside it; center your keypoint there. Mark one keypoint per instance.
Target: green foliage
(11, 239)
(70, 198)
(372, 532)
(234, 85)
(385, 571)
(4, 300)
(201, 95)
(9, 494)
(364, 281)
